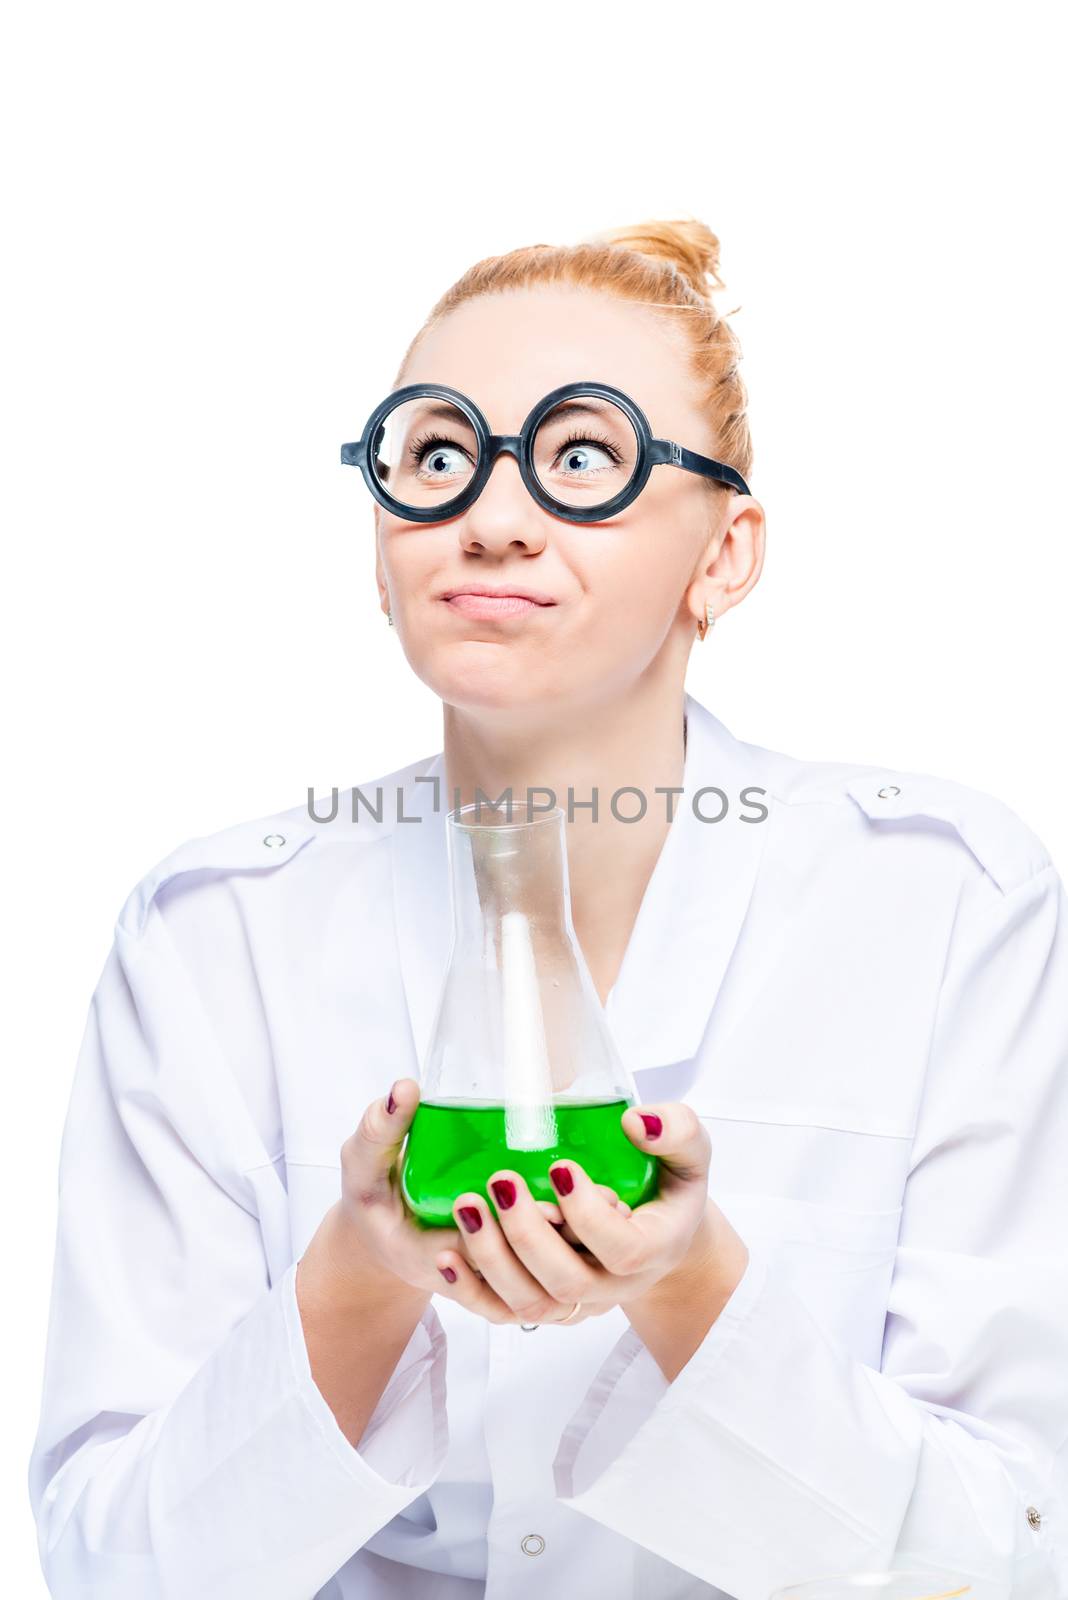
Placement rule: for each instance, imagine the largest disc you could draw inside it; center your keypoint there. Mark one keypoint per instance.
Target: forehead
(505, 351)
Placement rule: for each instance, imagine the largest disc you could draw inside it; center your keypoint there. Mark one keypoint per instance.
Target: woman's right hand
(369, 1232)
(364, 1281)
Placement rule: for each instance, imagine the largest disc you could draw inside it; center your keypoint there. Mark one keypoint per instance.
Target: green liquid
(452, 1148)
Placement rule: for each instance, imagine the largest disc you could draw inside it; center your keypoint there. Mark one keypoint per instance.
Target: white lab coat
(864, 997)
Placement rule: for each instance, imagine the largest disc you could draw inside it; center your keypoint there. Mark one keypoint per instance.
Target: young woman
(837, 1340)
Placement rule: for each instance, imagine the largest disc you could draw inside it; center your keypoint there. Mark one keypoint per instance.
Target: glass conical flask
(521, 1068)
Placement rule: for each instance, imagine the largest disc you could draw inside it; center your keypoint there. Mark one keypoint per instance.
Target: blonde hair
(664, 265)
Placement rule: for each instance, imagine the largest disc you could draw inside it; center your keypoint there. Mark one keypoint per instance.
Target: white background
(226, 221)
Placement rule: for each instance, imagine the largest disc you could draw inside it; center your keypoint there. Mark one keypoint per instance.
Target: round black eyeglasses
(585, 452)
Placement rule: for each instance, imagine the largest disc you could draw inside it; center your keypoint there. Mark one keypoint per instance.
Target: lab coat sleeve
(777, 1455)
(183, 1447)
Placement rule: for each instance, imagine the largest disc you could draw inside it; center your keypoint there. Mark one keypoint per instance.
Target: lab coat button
(1034, 1516)
(532, 1543)
(891, 788)
(273, 840)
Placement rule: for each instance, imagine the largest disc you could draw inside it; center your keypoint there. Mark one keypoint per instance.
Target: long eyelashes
(417, 448)
(593, 438)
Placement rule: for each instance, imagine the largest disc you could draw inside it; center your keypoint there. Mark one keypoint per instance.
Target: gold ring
(574, 1310)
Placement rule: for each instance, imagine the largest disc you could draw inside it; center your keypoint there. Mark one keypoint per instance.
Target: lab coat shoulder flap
(1005, 846)
(899, 802)
(261, 845)
(249, 846)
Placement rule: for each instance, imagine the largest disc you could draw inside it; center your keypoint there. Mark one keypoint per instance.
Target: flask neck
(501, 875)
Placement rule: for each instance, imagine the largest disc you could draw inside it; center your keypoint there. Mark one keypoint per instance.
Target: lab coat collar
(688, 922)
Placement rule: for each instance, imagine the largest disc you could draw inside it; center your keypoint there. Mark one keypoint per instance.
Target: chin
(477, 675)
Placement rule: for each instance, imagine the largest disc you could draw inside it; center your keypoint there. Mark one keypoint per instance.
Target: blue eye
(578, 455)
(439, 457)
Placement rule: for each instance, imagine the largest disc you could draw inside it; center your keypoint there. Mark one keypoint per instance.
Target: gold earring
(709, 622)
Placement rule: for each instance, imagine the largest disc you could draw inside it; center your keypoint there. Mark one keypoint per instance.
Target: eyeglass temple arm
(676, 455)
(352, 454)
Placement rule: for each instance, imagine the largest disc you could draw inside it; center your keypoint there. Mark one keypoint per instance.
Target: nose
(504, 513)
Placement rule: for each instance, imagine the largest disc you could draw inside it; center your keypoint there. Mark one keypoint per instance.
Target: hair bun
(690, 246)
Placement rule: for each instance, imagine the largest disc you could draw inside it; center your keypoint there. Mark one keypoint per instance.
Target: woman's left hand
(514, 1266)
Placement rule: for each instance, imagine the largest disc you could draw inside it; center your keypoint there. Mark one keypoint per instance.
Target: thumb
(369, 1153)
(675, 1134)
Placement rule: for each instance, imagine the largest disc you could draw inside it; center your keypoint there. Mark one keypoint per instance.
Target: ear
(380, 575)
(732, 560)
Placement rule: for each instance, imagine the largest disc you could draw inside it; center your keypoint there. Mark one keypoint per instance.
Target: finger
(620, 1243)
(568, 1233)
(460, 1282)
(551, 1211)
(675, 1134)
(488, 1250)
(368, 1154)
(550, 1260)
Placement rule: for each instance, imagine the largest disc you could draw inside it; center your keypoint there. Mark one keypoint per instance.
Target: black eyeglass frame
(651, 452)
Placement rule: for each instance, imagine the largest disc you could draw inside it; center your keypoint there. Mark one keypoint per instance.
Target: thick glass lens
(585, 451)
(425, 453)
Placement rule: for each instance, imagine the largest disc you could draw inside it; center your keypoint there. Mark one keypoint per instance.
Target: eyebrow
(580, 407)
(443, 409)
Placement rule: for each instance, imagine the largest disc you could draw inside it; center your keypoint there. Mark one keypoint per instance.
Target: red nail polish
(563, 1182)
(503, 1192)
(653, 1125)
(391, 1104)
(471, 1218)
(448, 1273)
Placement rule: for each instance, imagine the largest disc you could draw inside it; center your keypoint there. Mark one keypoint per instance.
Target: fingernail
(563, 1182)
(391, 1104)
(503, 1192)
(471, 1218)
(448, 1273)
(653, 1125)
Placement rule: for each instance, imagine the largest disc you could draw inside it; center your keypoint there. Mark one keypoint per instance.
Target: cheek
(648, 561)
(407, 559)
